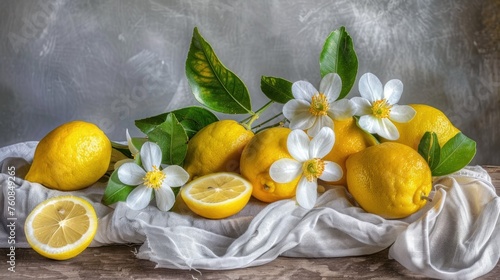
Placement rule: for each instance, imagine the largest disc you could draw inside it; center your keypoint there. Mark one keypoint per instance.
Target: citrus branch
(254, 116)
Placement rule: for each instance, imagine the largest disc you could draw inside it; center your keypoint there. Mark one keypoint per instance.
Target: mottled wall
(111, 62)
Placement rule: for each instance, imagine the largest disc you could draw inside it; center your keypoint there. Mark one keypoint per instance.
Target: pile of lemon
(228, 165)
(390, 179)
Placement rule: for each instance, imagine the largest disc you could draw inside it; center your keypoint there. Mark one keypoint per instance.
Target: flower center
(319, 105)
(313, 168)
(153, 179)
(381, 109)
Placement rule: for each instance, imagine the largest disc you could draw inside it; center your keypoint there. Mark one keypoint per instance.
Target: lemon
(61, 227)
(390, 179)
(71, 157)
(427, 118)
(216, 148)
(262, 151)
(217, 195)
(349, 139)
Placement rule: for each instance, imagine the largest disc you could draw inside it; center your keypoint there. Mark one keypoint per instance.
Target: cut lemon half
(61, 227)
(217, 195)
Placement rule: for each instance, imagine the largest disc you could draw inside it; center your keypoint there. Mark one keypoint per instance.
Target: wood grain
(119, 262)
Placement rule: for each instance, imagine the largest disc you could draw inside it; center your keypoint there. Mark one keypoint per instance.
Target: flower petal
(370, 87)
(321, 121)
(331, 85)
(388, 130)
(322, 143)
(307, 193)
(333, 172)
(342, 109)
(297, 112)
(298, 145)
(121, 162)
(139, 197)
(402, 113)
(131, 174)
(303, 90)
(131, 147)
(303, 122)
(165, 198)
(361, 106)
(393, 90)
(295, 107)
(369, 123)
(285, 170)
(150, 155)
(176, 176)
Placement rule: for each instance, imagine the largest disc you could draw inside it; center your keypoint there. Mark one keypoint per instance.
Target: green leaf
(172, 139)
(212, 84)
(277, 89)
(455, 155)
(192, 119)
(137, 142)
(338, 56)
(115, 190)
(429, 149)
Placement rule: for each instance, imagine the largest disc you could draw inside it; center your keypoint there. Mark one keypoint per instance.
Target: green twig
(248, 121)
(281, 123)
(269, 120)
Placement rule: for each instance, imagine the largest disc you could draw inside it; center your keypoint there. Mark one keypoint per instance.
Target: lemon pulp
(61, 227)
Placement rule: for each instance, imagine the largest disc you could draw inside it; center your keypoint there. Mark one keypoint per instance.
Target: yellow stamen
(313, 168)
(319, 105)
(381, 109)
(154, 179)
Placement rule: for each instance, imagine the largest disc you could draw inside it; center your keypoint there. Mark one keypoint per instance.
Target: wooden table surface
(119, 262)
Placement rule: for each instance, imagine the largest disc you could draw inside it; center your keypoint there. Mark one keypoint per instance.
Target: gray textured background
(112, 62)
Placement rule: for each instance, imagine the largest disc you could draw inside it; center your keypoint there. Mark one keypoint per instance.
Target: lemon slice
(61, 227)
(217, 195)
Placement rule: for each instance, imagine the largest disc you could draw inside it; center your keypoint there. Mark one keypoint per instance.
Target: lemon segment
(217, 195)
(61, 227)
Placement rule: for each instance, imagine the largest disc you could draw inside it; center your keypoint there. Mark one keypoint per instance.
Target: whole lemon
(261, 152)
(349, 139)
(71, 157)
(426, 119)
(390, 179)
(216, 148)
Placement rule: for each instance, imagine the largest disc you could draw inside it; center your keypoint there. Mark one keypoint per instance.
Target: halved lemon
(217, 195)
(61, 227)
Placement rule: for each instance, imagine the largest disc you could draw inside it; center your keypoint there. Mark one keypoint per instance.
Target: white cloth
(456, 236)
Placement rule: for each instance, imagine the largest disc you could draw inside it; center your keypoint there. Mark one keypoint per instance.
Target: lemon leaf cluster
(455, 154)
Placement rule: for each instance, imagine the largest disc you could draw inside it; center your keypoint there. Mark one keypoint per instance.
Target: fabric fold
(459, 237)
